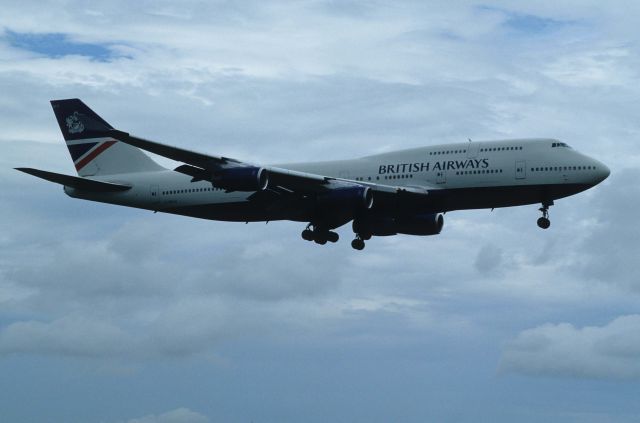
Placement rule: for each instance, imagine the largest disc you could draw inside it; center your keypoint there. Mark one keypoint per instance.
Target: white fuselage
(472, 174)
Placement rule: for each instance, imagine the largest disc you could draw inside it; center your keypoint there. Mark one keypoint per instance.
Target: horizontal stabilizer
(75, 181)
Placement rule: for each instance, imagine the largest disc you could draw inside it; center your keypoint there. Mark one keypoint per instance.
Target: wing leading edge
(200, 166)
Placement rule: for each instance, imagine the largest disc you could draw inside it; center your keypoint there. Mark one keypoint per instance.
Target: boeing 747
(399, 192)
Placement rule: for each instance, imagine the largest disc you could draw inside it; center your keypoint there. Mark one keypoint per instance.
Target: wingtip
(27, 170)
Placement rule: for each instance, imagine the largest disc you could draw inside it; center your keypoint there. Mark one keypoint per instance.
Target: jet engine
(355, 196)
(420, 224)
(241, 179)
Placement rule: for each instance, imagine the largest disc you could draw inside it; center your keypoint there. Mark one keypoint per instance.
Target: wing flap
(75, 181)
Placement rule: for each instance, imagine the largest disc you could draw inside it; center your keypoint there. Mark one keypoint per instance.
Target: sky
(116, 315)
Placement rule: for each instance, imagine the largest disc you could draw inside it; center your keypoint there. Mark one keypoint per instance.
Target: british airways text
(426, 166)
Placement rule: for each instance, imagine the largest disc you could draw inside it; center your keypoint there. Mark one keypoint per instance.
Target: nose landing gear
(544, 222)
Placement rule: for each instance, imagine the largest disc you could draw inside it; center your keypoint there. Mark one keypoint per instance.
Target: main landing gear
(319, 235)
(544, 221)
(358, 243)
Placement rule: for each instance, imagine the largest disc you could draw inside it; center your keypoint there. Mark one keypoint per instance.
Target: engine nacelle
(421, 224)
(241, 179)
(378, 226)
(356, 196)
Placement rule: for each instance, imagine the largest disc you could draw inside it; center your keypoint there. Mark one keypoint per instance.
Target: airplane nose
(603, 172)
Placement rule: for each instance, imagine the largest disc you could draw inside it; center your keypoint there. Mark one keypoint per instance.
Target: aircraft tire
(320, 237)
(357, 244)
(544, 223)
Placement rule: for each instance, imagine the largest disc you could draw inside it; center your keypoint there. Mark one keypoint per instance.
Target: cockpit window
(559, 144)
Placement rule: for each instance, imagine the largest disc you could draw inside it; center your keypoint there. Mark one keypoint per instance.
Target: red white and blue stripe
(85, 150)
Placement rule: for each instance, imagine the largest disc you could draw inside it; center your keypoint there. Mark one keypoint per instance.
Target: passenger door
(153, 190)
(472, 150)
(521, 169)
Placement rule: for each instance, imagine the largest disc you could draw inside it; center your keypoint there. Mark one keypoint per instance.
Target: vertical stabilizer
(92, 150)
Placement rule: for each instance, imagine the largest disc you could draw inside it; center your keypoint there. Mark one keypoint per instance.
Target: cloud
(179, 415)
(609, 253)
(600, 67)
(489, 259)
(107, 282)
(609, 351)
(70, 335)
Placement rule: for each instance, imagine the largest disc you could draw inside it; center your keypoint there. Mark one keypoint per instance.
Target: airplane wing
(199, 166)
(179, 154)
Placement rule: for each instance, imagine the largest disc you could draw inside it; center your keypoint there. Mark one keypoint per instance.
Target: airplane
(398, 192)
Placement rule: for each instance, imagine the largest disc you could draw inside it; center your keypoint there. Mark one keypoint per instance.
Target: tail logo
(74, 125)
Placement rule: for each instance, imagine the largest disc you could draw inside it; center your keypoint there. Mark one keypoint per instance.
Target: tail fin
(92, 150)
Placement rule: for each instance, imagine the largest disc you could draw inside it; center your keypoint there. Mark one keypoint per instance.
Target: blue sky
(114, 315)
(55, 45)
(528, 24)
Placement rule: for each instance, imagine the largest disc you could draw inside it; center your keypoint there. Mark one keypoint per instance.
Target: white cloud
(609, 251)
(609, 67)
(609, 351)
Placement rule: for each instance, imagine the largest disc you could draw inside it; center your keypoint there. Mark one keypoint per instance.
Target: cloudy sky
(114, 315)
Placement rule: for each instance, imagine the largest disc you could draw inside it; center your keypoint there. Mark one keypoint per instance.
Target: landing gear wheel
(333, 236)
(357, 244)
(320, 237)
(319, 234)
(544, 223)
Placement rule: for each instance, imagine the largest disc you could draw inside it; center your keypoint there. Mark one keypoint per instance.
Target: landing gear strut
(362, 232)
(544, 221)
(319, 235)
